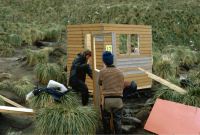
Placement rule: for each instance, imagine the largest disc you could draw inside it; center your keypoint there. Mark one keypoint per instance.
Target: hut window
(123, 44)
(134, 43)
(99, 38)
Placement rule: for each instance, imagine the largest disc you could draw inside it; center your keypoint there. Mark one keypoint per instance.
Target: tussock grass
(59, 119)
(15, 40)
(45, 100)
(6, 50)
(192, 97)
(53, 33)
(35, 57)
(182, 56)
(164, 68)
(6, 85)
(23, 87)
(63, 78)
(194, 77)
(46, 72)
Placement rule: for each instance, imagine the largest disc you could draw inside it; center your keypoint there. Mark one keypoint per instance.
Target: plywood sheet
(173, 118)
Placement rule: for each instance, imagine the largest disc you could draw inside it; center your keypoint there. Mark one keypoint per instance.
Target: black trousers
(106, 117)
(81, 87)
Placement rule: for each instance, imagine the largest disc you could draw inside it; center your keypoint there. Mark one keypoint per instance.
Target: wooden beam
(15, 110)
(93, 68)
(164, 82)
(11, 102)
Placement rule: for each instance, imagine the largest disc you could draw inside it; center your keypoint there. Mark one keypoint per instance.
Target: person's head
(107, 58)
(87, 54)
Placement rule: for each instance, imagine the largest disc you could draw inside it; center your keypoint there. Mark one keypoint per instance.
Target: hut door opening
(100, 42)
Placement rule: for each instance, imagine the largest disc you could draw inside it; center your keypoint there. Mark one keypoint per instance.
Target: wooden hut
(131, 45)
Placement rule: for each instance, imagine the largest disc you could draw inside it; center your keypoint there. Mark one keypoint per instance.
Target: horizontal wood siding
(127, 63)
(75, 45)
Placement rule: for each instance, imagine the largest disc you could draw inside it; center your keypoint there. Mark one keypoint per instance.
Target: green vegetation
(191, 98)
(20, 87)
(45, 100)
(46, 72)
(23, 87)
(173, 22)
(176, 42)
(6, 49)
(6, 85)
(66, 117)
(1, 102)
(59, 119)
(164, 69)
(35, 57)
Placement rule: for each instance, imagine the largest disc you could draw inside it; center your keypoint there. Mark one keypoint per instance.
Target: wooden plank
(135, 68)
(132, 32)
(93, 71)
(75, 42)
(77, 50)
(74, 35)
(74, 32)
(127, 25)
(144, 87)
(164, 82)
(84, 25)
(11, 102)
(74, 53)
(145, 48)
(134, 56)
(15, 110)
(109, 25)
(140, 80)
(91, 29)
(76, 39)
(82, 45)
(127, 29)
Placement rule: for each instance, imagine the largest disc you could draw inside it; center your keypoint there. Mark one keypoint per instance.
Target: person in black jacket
(79, 69)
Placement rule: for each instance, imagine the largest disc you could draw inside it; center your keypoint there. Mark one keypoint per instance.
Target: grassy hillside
(176, 46)
(174, 22)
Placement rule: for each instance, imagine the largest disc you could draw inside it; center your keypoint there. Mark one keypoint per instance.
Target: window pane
(134, 40)
(123, 43)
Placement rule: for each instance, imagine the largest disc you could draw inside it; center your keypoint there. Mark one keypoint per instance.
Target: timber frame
(79, 37)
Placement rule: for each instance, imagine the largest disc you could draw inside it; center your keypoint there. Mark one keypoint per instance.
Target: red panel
(169, 117)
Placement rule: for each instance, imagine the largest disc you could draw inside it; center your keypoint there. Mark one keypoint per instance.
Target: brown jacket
(112, 81)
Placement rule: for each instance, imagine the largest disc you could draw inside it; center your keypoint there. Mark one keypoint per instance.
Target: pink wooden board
(169, 117)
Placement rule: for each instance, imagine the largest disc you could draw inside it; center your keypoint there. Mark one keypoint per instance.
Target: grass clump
(6, 50)
(6, 85)
(35, 57)
(192, 97)
(53, 33)
(15, 40)
(164, 68)
(45, 100)
(23, 87)
(59, 119)
(46, 72)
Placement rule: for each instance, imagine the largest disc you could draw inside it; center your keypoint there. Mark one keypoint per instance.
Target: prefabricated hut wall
(78, 39)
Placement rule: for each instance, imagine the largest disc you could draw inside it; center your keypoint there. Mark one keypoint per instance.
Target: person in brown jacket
(112, 81)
